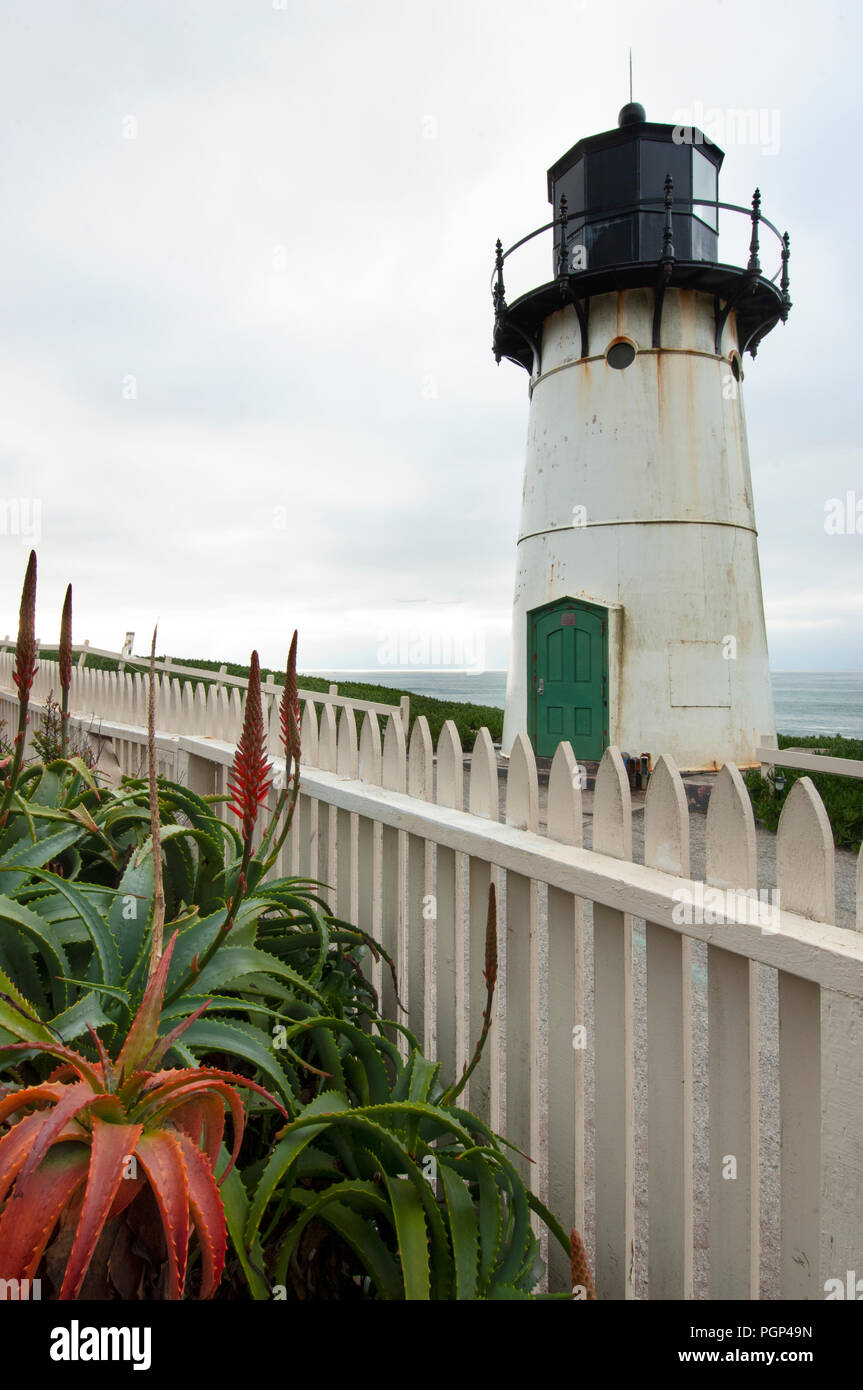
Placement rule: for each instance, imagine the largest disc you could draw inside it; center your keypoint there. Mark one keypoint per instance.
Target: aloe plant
(420, 1192)
(79, 1143)
(412, 1196)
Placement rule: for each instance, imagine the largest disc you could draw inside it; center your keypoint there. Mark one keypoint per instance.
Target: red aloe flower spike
(289, 721)
(489, 974)
(248, 782)
(580, 1275)
(25, 670)
(65, 668)
(289, 710)
(66, 642)
(25, 650)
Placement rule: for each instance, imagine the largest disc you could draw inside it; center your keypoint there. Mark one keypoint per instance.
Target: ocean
(806, 702)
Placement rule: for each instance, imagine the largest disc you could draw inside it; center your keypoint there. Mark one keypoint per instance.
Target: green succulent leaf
(463, 1227)
(243, 1040)
(413, 1237)
(18, 864)
(97, 927)
(286, 1152)
(31, 926)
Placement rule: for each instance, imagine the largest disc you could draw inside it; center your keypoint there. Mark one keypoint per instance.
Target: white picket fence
(209, 703)
(671, 1205)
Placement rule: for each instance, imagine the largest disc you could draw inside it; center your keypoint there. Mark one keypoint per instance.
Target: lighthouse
(638, 617)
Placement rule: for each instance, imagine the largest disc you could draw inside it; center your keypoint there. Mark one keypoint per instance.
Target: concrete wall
(656, 454)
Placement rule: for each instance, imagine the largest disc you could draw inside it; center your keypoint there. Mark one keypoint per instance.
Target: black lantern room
(638, 206)
(614, 186)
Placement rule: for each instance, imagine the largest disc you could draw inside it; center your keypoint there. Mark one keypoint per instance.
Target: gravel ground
(769, 1088)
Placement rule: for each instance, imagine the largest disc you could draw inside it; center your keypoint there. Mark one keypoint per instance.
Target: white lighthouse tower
(638, 617)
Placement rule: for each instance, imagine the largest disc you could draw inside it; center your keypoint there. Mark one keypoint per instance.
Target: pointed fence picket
(522, 968)
(327, 822)
(394, 779)
(306, 859)
(369, 833)
(419, 920)
(669, 1051)
(669, 955)
(804, 870)
(483, 801)
(732, 981)
(614, 1056)
(347, 760)
(567, 1032)
(449, 913)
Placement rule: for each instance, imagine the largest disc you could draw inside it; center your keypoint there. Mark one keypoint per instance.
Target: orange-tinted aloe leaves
(85, 1146)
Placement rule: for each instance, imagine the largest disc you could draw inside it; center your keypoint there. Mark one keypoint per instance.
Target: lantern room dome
(633, 113)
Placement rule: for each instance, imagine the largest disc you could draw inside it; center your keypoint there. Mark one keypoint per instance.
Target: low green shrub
(842, 796)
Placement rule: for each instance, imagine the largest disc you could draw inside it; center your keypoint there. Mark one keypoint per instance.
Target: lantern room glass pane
(704, 185)
(611, 178)
(661, 157)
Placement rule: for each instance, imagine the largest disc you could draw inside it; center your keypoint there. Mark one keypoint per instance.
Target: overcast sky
(245, 321)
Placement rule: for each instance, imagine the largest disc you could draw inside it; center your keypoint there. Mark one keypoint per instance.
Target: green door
(568, 678)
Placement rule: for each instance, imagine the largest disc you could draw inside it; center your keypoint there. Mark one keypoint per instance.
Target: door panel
(568, 678)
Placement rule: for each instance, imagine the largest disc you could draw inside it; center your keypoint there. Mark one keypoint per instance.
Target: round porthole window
(620, 355)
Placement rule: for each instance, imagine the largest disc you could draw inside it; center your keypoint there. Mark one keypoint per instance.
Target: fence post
(449, 912)
(669, 1052)
(393, 778)
(523, 1005)
(804, 878)
(566, 1047)
(732, 1016)
(614, 1058)
(370, 769)
(483, 800)
(347, 757)
(419, 926)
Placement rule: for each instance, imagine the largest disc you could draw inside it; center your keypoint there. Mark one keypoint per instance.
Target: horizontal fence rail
(807, 760)
(632, 1005)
